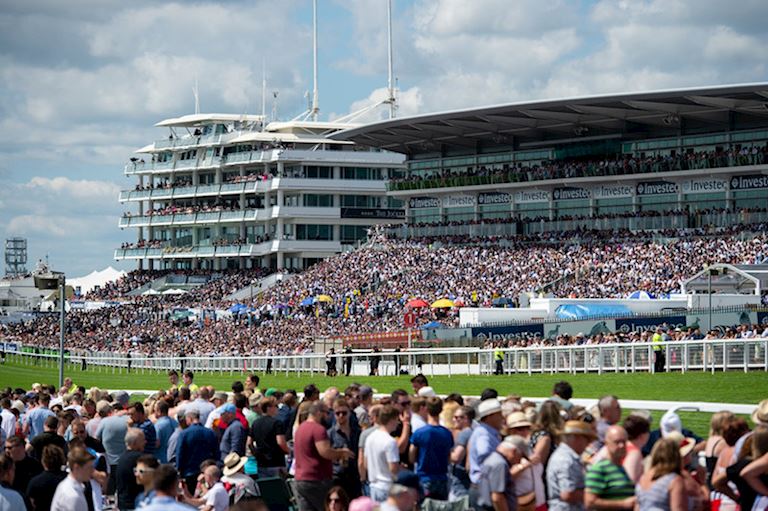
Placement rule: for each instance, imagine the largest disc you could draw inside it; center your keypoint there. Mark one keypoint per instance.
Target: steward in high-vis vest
(659, 360)
(498, 357)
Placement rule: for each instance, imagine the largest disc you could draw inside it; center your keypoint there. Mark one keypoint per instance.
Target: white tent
(150, 291)
(174, 292)
(95, 278)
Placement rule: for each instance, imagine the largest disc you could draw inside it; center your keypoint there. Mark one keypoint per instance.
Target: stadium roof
(538, 123)
(729, 278)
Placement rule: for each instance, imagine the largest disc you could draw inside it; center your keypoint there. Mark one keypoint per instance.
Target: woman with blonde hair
(661, 487)
(715, 441)
(546, 432)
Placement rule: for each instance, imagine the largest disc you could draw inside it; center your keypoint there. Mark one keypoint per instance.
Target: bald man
(608, 487)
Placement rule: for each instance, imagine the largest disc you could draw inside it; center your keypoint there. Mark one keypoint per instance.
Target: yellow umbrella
(443, 303)
(324, 298)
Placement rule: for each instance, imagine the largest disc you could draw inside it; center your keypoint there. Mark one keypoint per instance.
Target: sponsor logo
(749, 182)
(649, 324)
(656, 188)
(704, 186)
(610, 192)
(494, 198)
(571, 193)
(458, 201)
(532, 196)
(424, 202)
(372, 213)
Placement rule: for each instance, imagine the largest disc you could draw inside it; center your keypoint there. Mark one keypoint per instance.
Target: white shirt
(11, 500)
(380, 451)
(8, 424)
(417, 422)
(70, 496)
(217, 498)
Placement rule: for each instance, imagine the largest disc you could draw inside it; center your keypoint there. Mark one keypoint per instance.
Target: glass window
(361, 173)
(316, 200)
(317, 172)
(750, 198)
(425, 215)
(314, 232)
(359, 201)
(665, 202)
(532, 210)
(701, 201)
(459, 214)
(610, 206)
(354, 232)
(579, 207)
(493, 211)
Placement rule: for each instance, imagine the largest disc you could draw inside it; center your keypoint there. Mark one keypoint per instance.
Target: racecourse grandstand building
(694, 158)
(224, 192)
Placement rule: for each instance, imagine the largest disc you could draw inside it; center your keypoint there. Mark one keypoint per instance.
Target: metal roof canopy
(729, 279)
(532, 124)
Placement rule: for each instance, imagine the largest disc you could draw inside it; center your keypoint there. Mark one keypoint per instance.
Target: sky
(82, 82)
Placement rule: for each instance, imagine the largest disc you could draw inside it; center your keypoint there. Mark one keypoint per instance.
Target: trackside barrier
(683, 356)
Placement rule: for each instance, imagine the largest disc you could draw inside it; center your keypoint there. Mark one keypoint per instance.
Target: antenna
(263, 95)
(196, 92)
(274, 105)
(390, 86)
(315, 94)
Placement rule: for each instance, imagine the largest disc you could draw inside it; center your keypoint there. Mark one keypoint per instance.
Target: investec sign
(458, 201)
(656, 188)
(531, 196)
(612, 191)
(571, 193)
(494, 198)
(423, 202)
(704, 186)
(750, 182)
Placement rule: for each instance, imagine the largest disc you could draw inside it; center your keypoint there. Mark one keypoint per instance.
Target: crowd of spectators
(180, 209)
(193, 446)
(565, 169)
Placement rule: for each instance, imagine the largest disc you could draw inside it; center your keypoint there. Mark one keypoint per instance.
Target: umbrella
(431, 324)
(417, 303)
(236, 308)
(458, 303)
(324, 298)
(640, 295)
(174, 292)
(443, 303)
(307, 302)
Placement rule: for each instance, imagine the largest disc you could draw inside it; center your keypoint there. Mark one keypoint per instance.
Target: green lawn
(729, 387)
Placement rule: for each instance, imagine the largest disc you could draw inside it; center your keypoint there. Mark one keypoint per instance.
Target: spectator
(418, 413)
(41, 487)
(166, 485)
(140, 420)
(382, 458)
(345, 433)
(462, 430)
(496, 487)
(715, 442)
(189, 382)
(610, 414)
(47, 437)
(126, 484)
(234, 476)
(565, 472)
(235, 436)
(485, 438)
(546, 432)
(103, 408)
(638, 431)
(608, 487)
(111, 433)
(195, 445)
(77, 489)
(164, 428)
(417, 382)
(267, 440)
(7, 419)
(35, 419)
(201, 404)
(25, 467)
(373, 416)
(314, 459)
(562, 394)
(173, 441)
(430, 450)
(10, 499)
(662, 485)
(365, 394)
(336, 500)
(215, 497)
(146, 465)
(251, 383)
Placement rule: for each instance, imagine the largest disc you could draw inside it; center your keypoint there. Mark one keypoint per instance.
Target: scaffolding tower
(15, 257)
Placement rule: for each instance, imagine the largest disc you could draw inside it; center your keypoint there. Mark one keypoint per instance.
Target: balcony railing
(246, 250)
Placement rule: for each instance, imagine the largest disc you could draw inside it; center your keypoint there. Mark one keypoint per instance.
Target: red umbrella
(417, 303)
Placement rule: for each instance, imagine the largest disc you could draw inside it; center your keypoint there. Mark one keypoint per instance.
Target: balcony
(203, 217)
(248, 250)
(194, 191)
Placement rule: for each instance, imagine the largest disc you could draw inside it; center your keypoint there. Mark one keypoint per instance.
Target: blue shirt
(36, 419)
(167, 504)
(195, 445)
(484, 441)
(111, 432)
(150, 435)
(164, 428)
(435, 444)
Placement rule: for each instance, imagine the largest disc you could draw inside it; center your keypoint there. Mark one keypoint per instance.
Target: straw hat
(760, 415)
(518, 420)
(233, 463)
(579, 428)
(488, 407)
(686, 443)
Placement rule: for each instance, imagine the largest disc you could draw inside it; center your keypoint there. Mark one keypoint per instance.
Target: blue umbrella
(501, 301)
(307, 301)
(640, 295)
(431, 324)
(236, 308)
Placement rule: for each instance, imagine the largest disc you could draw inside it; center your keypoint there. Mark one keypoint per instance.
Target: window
(316, 172)
(359, 201)
(353, 232)
(314, 200)
(361, 173)
(314, 232)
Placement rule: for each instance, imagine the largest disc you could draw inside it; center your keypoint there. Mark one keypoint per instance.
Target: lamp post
(62, 303)
(710, 273)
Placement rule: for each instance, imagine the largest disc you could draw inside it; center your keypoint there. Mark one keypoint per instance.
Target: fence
(683, 356)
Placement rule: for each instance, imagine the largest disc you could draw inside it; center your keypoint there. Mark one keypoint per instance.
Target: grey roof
(540, 122)
(729, 278)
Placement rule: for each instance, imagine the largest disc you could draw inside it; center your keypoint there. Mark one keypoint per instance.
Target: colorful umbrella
(443, 303)
(417, 303)
(307, 301)
(324, 298)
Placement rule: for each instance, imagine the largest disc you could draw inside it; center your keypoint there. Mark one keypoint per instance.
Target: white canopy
(95, 278)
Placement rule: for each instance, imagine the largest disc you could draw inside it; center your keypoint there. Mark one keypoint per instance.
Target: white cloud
(80, 189)
(409, 102)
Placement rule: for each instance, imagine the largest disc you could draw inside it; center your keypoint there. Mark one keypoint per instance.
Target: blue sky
(82, 82)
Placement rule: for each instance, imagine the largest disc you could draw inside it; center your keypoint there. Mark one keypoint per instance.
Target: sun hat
(669, 423)
(233, 463)
(686, 443)
(427, 392)
(760, 415)
(579, 428)
(18, 406)
(220, 395)
(488, 407)
(518, 420)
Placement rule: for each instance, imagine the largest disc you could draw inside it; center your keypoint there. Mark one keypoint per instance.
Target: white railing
(683, 356)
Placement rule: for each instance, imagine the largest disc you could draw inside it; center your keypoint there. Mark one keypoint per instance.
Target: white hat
(488, 407)
(669, 423)
(760, 415)
(427, 392)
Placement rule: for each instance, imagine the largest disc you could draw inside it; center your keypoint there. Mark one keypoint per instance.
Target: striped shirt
(609, 481)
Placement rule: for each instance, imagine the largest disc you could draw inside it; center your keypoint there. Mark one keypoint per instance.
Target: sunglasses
(405, 403)
(142, 471)
(341, 413)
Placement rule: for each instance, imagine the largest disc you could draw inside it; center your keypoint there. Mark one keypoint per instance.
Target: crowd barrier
(681, 356)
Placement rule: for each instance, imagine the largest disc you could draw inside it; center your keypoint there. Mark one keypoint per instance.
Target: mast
(315, 94)
(196, 92)
(263, 95)
(390, 85)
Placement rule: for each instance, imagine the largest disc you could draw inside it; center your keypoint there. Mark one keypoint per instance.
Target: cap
(488, 407)
(669, 423)
(365, 391)
(228, 408)
(270, 391)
